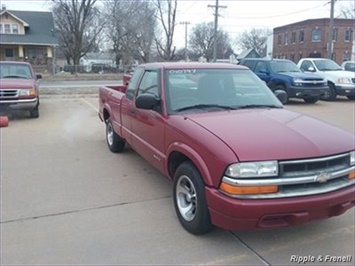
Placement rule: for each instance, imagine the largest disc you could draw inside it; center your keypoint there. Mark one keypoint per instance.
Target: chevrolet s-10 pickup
(236, 157)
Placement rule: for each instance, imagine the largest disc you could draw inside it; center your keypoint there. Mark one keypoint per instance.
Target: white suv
(340, 82)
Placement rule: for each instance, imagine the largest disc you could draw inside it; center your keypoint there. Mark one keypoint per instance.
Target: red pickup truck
(19, 87)
(237, 158)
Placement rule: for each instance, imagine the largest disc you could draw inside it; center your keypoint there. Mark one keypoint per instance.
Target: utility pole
(185, 23)
(215, 29)
(331, 28)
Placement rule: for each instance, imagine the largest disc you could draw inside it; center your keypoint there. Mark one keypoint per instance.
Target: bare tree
(166, 15)
(254, 39)
(78, 25)
(130, 29)
(201, 41)
(346, 11)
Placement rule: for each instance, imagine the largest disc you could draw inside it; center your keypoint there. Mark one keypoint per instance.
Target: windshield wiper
(15, 76)
(258, 106)
(203, 106)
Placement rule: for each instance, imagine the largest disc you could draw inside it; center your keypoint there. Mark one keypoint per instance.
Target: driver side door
(148, 126)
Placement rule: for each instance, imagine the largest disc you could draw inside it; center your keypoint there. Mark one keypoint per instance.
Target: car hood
(274, 134)
(16, 83)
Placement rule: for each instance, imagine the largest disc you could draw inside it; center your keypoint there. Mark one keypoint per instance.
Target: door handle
(133, 111)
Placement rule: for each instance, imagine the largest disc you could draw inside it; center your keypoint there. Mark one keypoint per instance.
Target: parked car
(348, 66)
(340, 82)
(237, 158)
(19, 87)
(282, 74)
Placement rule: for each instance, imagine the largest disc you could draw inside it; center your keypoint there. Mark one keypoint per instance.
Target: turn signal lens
(352, 175)
(32, 93)
(243, 190)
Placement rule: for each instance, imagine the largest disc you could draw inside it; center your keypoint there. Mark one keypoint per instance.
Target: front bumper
(241, 214)
(345, 90)
(306, 92)
(18, 104)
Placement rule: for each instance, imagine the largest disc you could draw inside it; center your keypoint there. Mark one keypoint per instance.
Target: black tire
(114, 142)
(190, 200)
(35, 112)
(330, 94)
(351, 97)
(282, 88)
(311, 100)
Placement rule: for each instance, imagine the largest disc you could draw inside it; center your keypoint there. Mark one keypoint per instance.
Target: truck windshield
(15, 71)
(200, 90)
(326, 65)
(283, 66)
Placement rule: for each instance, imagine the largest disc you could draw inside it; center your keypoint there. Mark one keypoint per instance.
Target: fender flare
(194, 156)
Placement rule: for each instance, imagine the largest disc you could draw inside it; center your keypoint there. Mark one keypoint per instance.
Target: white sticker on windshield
(182, 71)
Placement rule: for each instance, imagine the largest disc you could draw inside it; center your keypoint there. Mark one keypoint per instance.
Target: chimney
(3, 7)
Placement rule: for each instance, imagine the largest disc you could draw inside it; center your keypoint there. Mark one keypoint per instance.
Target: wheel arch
(179, 153)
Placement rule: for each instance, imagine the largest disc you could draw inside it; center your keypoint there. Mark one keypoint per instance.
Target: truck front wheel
(330, 94)
(190, 201)
(114, 142)
(35, 112)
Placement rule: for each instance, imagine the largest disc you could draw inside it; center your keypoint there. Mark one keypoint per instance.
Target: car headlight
(253, 169)
(345, 80)
(352, 158)
(298, 81)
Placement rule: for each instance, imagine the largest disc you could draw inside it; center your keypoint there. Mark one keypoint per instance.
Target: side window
(249, 63)
(305, 65)
(149, 83)
(260, 67)
(133, 83)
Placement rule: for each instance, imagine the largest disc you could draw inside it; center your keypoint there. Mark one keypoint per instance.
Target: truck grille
(304, 177)
(8, 94)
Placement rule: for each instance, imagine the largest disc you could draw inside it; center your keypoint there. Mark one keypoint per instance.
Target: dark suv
(282, 74)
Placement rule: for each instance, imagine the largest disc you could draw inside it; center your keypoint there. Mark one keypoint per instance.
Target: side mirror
(38, 76)
(147, 101)
(281, 95)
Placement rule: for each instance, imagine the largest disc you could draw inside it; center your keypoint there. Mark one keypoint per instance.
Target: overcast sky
(238, 16)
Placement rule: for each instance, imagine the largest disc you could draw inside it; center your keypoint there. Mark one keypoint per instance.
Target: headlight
(352, 158)
(253, 169)
(344, 80)
(298, 81)
(27, 92)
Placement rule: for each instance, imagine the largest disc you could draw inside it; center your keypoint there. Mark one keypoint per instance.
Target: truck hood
(301, 75)
(16, 83)
(274, 134)
(337, 74)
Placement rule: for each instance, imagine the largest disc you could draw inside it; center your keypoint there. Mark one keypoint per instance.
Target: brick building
(309, 38)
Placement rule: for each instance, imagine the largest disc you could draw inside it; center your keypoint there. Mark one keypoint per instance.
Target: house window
(346, 56)
(316, 35)
(14, 28)
(0, 28)
(9, 53)
(286, 38)
(279, 39)
(7, 29)
(347, 35)
(293, 37)
(335, 34)
(34, 53)
(301, 37)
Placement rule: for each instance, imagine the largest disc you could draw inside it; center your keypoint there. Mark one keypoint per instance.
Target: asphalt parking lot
(67, 200)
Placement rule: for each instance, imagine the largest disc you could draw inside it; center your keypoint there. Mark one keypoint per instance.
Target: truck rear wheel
(190, 201)
(351, 97)
(114, 142)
